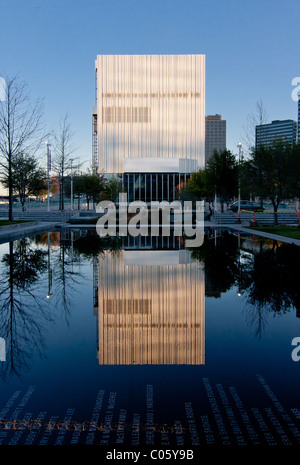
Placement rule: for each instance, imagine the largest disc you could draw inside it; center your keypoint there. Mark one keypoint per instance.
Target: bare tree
(255, 118)
(21, 128)
(63, 152)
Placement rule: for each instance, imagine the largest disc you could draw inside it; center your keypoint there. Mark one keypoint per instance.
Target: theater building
(149, 122)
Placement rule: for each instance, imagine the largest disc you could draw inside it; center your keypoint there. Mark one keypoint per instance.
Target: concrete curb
(18, 233)
(275, 237)
(18, 225)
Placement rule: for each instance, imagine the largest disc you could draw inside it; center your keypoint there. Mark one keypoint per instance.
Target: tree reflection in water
(264, 272)
(49, 263)
(270, 282)
(220, 254)
(70, 249)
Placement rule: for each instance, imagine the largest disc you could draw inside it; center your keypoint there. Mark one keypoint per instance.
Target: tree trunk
(10, 190)
(62, 192)
(275, 206)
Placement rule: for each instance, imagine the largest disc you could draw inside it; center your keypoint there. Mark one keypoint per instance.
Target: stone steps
(260, 218)
(53, 216)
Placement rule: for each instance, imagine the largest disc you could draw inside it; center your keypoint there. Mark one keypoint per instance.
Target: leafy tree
(197, 187)
(88, 185)
(27, 177)
(21, 129)
(112, 188)
(273, 172)
(222, 175)
(78, 188)
(93, 187)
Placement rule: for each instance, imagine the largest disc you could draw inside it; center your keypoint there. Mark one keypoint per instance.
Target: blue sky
(252, 52)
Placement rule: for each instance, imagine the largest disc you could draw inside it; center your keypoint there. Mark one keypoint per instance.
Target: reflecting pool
(140, 341)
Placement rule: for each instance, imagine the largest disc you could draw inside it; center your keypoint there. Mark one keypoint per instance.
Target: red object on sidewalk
(253, 221)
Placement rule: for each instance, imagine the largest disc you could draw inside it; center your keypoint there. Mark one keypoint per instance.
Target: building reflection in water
(150, 308)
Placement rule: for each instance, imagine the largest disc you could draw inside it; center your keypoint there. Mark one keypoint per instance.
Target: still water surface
(132, 342)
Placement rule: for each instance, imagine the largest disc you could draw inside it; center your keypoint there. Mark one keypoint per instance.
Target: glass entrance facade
(153, 186)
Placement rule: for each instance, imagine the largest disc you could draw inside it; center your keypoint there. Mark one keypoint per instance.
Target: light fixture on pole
(48, 174)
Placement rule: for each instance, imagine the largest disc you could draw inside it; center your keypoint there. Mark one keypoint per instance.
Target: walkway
(275, 237)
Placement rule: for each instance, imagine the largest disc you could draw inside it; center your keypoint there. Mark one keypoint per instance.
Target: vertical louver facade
(149, 107)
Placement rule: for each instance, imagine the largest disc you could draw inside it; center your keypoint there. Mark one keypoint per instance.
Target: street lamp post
(48, 174)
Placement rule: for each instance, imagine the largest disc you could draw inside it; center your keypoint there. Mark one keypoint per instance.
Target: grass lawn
(7, 223)
(287, 231)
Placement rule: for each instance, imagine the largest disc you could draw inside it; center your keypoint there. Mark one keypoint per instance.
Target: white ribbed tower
(149, 110)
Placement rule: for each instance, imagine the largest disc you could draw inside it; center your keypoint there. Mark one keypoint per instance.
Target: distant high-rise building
(215, 135)
(286, 130)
